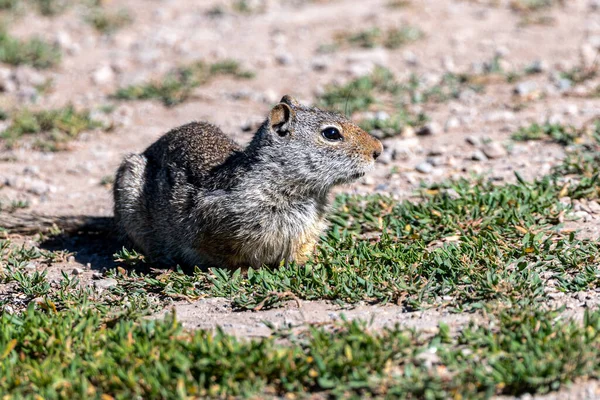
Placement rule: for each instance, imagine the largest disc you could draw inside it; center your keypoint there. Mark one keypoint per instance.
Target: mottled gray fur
(195, 197)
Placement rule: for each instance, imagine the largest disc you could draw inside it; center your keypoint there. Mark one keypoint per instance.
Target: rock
(410, 58)
(103, 75)
(563, 84)
(448, 64)
(385, 158)
(537, 67)
(594, 5)
(494, 150)
(28, 76)
(95, 275)
(6, 80)
(64, 40)
(284, 59)
(31, 266)
(382, 116)
(408, 132)
(583, 216)
(71, 259)
(435, 161)
(32, 170)
(473, 140)
(452, 123)
(39, 188)
(478, 155)
(525, 88)
(500, 116)
(588, 53)
(401, 148)
(320, 63)
(77, 271)
(430, 129)
(424, 167)
(502, 51)
(436, 151)
(571, 109)
(104, 284)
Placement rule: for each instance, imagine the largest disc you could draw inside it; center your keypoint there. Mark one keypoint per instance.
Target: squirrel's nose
(376, 154)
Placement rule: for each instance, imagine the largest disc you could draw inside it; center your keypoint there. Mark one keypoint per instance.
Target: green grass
(177, 86)
(360, 93)
(60, 350)
(394, 125)
(391, 39)
(44, 7)
(35, 52)
(13, 205)
(106, 21)
(52, 129)
(380, 88)
(533, 5)
(562, 134)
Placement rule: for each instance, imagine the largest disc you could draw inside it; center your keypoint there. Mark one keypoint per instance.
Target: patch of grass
(44, 7)
(391, 38)
(360, 93)
(399, 3)
(35, 52)
(247, 6)
(177, 86)
(533, 5)
(78, 351)
(392, 125)
(363, 93)
(106, 21)
(561, 134)
(9, 4)
(52, 128)
(449, 87)
(51, 7)
(13, 205)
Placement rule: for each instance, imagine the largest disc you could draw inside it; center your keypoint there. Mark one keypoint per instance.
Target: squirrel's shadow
(89, 246)
(96, 244)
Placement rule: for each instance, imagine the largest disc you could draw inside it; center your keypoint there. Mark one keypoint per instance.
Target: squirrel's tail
(32, 223)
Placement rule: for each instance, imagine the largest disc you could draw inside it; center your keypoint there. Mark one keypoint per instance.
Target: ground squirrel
(195, 197)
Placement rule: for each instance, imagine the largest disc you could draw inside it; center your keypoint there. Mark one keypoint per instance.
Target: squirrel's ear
(290, 101)
(280, 118)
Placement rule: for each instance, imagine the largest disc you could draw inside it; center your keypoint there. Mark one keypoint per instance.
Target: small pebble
(105, 283)
(525, 88)
(494, 150)
(424, 168)
(77, 271)
(431, 129)
(478, 155)
(473, 140)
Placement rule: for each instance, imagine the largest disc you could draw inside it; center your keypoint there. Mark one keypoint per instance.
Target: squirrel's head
(319, 147)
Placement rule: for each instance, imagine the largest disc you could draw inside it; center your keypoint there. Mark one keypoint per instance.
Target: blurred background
(452, 87)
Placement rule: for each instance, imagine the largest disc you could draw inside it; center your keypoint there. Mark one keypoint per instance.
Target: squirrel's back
(196, 148)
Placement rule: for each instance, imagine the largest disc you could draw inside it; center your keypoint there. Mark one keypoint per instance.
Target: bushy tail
(31, 223)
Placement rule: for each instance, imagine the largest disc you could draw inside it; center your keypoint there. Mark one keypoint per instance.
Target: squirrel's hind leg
(130, 207)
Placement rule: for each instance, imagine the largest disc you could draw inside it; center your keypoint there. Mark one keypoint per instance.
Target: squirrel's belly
(280, 241)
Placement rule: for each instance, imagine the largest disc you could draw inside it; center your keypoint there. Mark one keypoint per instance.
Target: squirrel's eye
(332, 134)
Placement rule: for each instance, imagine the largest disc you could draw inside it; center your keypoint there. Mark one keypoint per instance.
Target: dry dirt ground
(280, 44)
